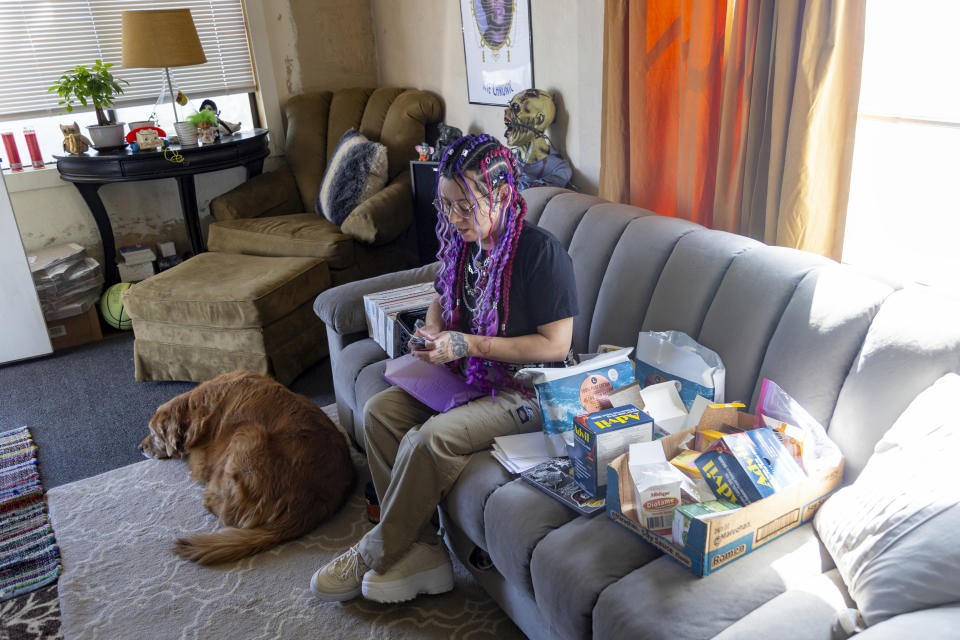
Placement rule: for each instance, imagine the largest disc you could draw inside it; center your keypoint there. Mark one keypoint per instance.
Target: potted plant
(206, 121)
(96, 86)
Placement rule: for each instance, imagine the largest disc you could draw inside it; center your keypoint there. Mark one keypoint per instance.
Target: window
(903, 218)
(41, 39)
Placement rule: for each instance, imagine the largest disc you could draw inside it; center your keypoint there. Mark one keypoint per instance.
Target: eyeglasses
(462, 208)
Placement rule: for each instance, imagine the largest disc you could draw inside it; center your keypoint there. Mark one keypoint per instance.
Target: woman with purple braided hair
(506, 299)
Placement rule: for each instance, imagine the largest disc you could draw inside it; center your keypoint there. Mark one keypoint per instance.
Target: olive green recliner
(266, 215)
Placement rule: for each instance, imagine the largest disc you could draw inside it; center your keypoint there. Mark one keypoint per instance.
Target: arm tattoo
(458, 344)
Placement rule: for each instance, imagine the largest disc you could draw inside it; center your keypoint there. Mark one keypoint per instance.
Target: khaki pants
(415, 456)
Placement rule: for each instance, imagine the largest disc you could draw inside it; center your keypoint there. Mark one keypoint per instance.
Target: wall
(298, 45)
(420, 44)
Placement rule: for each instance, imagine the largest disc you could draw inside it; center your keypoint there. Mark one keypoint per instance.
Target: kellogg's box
(600, 437)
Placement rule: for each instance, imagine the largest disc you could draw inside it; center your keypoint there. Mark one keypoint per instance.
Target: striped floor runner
(29, 557)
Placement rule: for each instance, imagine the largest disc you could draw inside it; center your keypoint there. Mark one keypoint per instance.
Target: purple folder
(433, 385)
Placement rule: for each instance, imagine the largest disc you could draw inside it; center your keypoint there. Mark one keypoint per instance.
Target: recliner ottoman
(218, 312)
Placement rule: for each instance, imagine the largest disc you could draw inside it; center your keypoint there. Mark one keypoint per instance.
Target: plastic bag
(673, 355)
(564, 393)
(800, 432)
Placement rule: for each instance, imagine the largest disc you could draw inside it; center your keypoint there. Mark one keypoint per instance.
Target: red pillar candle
(33, 146)
(13, 154)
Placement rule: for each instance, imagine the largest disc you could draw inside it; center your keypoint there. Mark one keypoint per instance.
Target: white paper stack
(382, 308)
(68, 282)
(520, 452)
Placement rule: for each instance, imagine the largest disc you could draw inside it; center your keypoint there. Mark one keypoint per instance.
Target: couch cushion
(346, 112)
(511, 540)
(567, 584)
(747, 308)
(913, 340)
(690, 279)
(302, 234)
(664, 599)
(354, 358)
(357, 170)
(403, 127)
(562, 214)
(228, 290)
(819, 335)
(465, 502)
(817, 603)
(888, 531)
(306, 141)
(631, 276)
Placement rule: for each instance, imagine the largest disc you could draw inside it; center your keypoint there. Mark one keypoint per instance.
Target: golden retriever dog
(274, 464)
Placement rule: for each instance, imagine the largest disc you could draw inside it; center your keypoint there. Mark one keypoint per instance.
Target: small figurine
(73, 142)
(448, 135)
(225, 128)
(424, 150)
(530, 113)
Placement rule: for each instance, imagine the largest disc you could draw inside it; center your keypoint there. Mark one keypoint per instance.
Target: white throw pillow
(891, 531)
(356, 171)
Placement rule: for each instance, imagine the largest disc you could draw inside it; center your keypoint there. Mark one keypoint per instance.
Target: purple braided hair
(483, 157)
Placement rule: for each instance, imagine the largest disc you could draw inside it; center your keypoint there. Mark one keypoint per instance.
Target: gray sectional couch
(853, 349)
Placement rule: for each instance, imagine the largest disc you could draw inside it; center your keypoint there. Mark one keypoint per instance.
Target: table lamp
(161, 38)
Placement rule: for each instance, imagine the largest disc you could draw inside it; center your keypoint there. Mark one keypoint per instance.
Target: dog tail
(228, 544)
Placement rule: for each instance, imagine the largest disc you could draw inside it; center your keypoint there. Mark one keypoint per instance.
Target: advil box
(749, 466)
(715, 542)
(600, 437)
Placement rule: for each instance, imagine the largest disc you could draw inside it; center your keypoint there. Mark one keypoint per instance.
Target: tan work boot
(425, 568)
(340, 579)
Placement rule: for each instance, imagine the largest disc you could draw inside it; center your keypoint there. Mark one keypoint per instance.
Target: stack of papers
(520, 452)
(68, 282)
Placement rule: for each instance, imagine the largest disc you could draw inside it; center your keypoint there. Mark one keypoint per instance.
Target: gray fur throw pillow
(357, 170)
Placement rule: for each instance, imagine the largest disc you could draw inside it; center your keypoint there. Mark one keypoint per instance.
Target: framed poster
(498, 48)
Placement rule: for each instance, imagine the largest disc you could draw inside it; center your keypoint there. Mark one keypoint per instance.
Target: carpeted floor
(121, 578)
(86, 412)
(87, 416)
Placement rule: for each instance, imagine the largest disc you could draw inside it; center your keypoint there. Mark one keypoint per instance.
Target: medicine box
(714, 542)
(749, 466)
(600, 437)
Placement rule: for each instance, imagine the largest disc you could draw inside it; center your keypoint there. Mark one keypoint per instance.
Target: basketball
(111, 306)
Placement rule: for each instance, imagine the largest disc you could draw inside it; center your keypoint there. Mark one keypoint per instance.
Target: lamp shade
(160, 38)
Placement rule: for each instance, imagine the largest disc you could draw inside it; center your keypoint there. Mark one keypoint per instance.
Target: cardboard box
(75, 330)
(381, 309)
(749, 466)
(600, 437)
(715, 542)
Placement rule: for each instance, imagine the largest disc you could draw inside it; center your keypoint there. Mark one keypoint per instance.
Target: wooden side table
(93, 169)
(423, 179)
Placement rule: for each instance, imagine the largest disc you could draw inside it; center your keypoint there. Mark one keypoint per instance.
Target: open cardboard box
(719, 540)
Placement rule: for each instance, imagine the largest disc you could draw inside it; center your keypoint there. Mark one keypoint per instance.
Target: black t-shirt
(542, 287)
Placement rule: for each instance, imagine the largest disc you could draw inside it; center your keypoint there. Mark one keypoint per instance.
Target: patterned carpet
(120, 578)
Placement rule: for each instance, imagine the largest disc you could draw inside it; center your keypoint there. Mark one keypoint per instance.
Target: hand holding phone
(416, 339)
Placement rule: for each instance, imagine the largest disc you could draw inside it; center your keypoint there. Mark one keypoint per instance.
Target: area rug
(29, 558)
(120, 579)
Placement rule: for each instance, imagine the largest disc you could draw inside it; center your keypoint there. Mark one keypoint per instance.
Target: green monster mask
(527, 118)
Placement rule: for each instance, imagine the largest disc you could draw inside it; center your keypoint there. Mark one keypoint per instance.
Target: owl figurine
(73, 142)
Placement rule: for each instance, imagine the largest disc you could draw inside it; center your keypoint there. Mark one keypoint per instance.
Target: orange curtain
(739, 115)
(661, 110)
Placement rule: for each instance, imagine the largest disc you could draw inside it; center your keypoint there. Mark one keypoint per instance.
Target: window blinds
(42, 39)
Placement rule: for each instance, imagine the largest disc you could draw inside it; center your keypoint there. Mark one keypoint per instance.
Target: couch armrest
(341, 308)
(938, 623)
(384, 216)
(269, 194)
